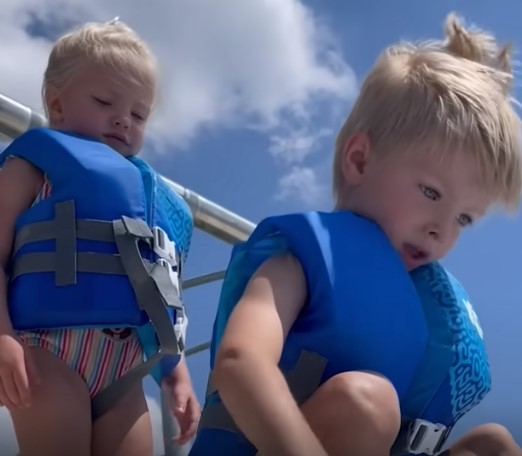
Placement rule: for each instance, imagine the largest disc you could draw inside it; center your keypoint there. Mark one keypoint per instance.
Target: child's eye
(429, 192)
(101, 102)
(464, 220)
(138, 116)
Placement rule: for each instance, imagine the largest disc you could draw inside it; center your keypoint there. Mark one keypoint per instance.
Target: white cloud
(302, 183)
(297, 145)
(264, 64)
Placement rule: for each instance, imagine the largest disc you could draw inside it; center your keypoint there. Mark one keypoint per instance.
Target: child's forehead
(439, 162)
(457, 175)
(448, 166)
(126, 75)
(436, 154)
(116, 84)
(121, 74)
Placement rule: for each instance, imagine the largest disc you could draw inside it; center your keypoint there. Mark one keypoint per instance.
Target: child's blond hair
(453, 95)
(112, 45)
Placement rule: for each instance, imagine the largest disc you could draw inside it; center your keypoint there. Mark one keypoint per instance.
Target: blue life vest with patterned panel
(101, 186)
(364, 311)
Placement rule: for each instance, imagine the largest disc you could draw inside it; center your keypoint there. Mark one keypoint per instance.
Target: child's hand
(17, 372)
(184, 405)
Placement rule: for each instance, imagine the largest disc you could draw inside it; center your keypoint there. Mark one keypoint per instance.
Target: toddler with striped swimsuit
(100, 84)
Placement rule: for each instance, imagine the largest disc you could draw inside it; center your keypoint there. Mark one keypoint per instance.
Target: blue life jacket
(364, 311)
(103, 250)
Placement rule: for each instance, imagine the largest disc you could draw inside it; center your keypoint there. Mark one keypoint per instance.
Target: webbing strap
(65, 244)
(306, 376)
(101, 263)
(154, 292)
(111, 395)
(151, 287)
(302, 381)
(65, 261)
(93, 230)
(400, 446)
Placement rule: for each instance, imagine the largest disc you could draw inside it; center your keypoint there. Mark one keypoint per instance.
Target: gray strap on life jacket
(152, 282)
(302, 381)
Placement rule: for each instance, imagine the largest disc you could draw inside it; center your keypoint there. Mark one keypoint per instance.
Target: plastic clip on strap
(420, 437)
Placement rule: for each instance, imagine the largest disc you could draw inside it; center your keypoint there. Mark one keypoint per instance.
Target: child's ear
(355, 156)
(53, 104)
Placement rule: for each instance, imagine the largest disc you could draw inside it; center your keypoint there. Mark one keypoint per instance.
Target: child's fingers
(21, 381)
(179, 402)
(188, 421)
(10, 389)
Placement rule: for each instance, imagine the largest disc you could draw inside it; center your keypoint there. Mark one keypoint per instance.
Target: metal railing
(16, 118)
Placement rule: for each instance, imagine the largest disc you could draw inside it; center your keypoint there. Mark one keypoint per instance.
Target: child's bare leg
(355, 413)
(58, 422)
(486, 440)
(126, 429)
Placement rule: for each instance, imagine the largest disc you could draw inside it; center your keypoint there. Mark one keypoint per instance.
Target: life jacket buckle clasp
(180, 329)
(163, 246)
(173, 275)
(425, 437)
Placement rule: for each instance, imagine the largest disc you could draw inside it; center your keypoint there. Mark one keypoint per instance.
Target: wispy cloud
(229, 63)
(263, 65)
(302, 184)
(297, 145)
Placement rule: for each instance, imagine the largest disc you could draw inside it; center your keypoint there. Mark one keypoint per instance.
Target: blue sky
(256, 133)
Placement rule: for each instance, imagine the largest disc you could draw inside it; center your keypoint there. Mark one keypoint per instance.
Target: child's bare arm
(19, 185)
(247, 375)
(20, 182)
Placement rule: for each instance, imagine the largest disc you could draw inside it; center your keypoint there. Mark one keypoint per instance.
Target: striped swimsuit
(99, 356)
